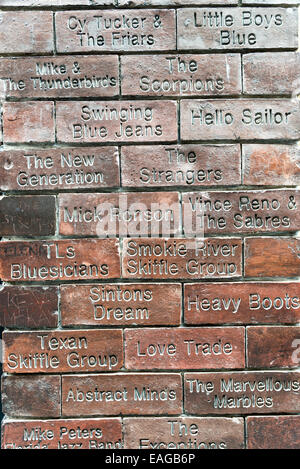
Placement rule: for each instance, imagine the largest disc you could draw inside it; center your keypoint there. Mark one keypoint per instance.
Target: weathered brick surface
(63, 434)
(54, 169)
(130, 3)
(126, 394)
(190, 433)
(190, 348)
(150, 304)
(31, 396)
(241, 303)
(63, 351)
(247, 392)
(29, 307)
(280, 432)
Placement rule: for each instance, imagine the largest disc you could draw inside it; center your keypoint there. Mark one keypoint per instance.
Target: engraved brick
(181, 75)
(180, 165)
(189, 348)
(28, 122)
(191, 433)
(181, 258)
(241, 303)
(273, 347)
(125, 394)
(59, 260)
(27, 216)
(241, 212)
(63, 351)
(127, 304)
(240, 119)
(247, 392)
(55, 169)
(29, 307)
(270, 73)
(59, 77)
(108, 30)
(275, 257)
(62, 434)
(121, 214)
(26, 32)
(238, 28)
(282, 432)
(31, 396)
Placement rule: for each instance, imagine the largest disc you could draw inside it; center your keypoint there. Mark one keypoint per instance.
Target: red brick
(121, 304)
(181, 75)
(26, 32)
(282, 432)
(188, 348)
(247, 392)
(28, 122)
(122, 394)
(54, 169)
(240, 119)
(59, 77)
(59, 260)
(151, 121)
(180, 165)
(27, 216)
(190, 433)
(29, 307)
(108, 30)
(121, 214)
(275, 257)
(62, 434)
(241, 212)
(270, 73)
(241, 303)
(63, 351)
(228, 28)
(273, 347)
(271, 165)
(177, 258)
(31, 396)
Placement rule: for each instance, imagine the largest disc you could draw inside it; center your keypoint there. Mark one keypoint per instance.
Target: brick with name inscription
(271, 164)
(270, 73)
(181, 258)
(181, 75)
(272, 257)
(150, 304)
(278, 432)
(121, 214)
(59, 77)
(122, 394)
(241, 212)
(240, 119)
(65, 351)
(63, 434)
(109, 30)
(180, 165)
(242, 303)
(55, 169)
(247, 392)
(27, 216)
(58, 260)
(116, 121)
(273, 346)
(26, 32)
(26, 122)
(184, 348)
(238, 28)
(190, 433)
(28, 307)
(31, 396)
